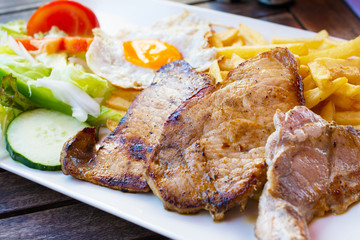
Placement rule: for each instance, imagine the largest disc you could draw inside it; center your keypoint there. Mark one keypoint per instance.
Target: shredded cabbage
(16, 29)
(54, 81)
(69, 71)
(18, 48)
(81, 103)
(53, 32)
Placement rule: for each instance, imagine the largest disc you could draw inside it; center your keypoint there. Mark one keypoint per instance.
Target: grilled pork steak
(314, 168)
(118, 162)
(211, 153)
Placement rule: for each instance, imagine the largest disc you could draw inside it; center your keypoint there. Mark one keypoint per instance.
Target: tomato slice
(72, 17)
(52, 45)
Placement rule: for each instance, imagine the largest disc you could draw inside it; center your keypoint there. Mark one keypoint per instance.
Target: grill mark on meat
(314, 169)
(137, 148)
(126, 181)
(118, 161)
(197, 164)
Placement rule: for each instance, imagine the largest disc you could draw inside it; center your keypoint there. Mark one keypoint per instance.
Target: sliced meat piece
(211, 155)
(314, 168)
(118, 161)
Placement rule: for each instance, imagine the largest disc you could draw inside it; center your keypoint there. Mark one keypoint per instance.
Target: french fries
(226, 38)
(316, 95)
(304, 71)
(214, 70)
(343, 51)
(309, 83)
(250, 36)
(253, 50)
(111, 124)
(328, 111)
(120, 100)
(330, 70)
(320, 74)
(228, 64)
(347, 117)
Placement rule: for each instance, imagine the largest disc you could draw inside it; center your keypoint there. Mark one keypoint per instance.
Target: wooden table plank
(282, 18)
(249, 8)
(333, 15)
(191, 2)
(24, 15)
(77, 221)
(9, 6)
(18, 194)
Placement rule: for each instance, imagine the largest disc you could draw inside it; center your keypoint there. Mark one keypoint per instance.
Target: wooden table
(31, 211)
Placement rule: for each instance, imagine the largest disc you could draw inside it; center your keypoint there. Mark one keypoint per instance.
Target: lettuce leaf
(105, 114)
(11, 97)
(77, 74)
(16, 29)
(50, 81)
(6, 115)
(21, 67)
(65, 87)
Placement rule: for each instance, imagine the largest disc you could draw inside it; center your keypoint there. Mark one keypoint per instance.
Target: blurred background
(334, 15)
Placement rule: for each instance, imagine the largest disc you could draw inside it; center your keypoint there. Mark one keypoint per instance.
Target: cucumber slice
(35, 138)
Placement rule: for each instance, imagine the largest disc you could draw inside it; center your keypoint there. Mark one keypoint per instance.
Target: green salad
(57, 81)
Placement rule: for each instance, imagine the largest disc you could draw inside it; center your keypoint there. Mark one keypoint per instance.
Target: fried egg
(131, 58)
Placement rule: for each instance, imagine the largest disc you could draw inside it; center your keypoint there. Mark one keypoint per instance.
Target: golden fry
(224, 74)
(344, 103)
(343, 68)
(246, 52)
(226, 64)
(214, 41)
(316, 95)
(347, 117)
(309, 83)
(229, 64)
(320, 74)
(238, 42)
(357, 97)
(348, 90)
(229, 36)
(304, 71)
(323, 34)
(111, 124)
(250, 36)
(128, 94)
(214, 71)
(236, 59)
(118, 103)
(328, 111)
(309, 42)
(345, 50)
(225, 38)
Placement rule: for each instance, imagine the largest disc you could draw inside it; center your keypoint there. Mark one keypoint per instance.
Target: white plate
(145, 209)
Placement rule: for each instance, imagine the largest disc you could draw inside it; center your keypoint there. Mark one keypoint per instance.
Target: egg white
(187, 32)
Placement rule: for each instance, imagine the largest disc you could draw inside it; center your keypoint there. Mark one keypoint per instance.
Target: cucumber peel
(35, 138)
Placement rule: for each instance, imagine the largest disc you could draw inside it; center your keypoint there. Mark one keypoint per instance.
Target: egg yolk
(150, 53)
